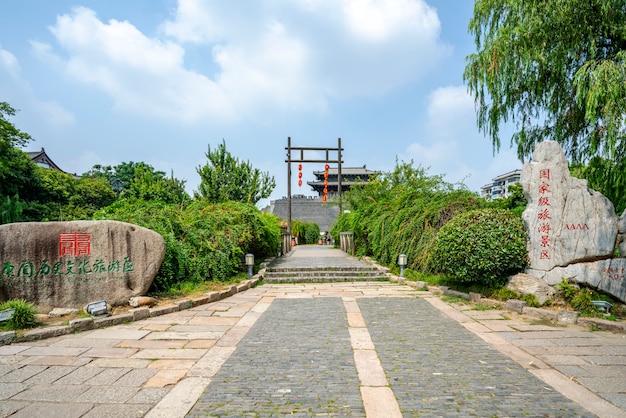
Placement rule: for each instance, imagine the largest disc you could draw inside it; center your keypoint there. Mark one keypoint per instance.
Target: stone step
(323, 273)
(324, 279)
(318, 268)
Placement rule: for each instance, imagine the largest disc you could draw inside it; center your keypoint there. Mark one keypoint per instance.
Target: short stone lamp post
(250, 263)
(402, 262)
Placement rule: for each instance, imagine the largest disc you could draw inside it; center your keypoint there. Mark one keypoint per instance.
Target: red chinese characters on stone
(614, 273)
(545, 228)
(544, 188)
(74, 244)
(544, 174)
(543, 214)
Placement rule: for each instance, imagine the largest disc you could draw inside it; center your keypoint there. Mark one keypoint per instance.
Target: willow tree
(555, 69)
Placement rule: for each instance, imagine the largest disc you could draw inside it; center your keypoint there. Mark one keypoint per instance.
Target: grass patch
(192, 288)
(455, 299)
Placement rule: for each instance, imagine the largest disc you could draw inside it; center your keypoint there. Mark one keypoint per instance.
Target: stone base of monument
(574, 233)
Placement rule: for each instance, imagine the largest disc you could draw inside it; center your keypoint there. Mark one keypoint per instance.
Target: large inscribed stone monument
(573, 230)
(70, 264)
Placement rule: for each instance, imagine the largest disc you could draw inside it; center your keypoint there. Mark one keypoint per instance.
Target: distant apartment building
(499, 186)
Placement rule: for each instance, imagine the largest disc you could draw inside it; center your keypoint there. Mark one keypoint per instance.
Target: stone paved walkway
(372, 349)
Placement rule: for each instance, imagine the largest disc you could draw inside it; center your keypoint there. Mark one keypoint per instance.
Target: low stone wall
(84, 324)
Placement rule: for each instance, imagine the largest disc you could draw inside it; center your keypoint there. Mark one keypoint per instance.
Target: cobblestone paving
(438, 368)
(296, 361)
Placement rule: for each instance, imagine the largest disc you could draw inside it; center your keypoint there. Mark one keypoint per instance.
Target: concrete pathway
(374, 349)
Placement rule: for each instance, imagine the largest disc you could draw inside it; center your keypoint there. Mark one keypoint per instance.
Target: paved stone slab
(54, 410)
(309, 373)
(51, 393)
(435, 366)
(118, 333)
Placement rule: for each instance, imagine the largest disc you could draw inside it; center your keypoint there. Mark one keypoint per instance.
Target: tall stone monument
(70, 264)
(573, 231)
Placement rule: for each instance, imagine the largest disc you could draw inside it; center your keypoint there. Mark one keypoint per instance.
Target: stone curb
(85, 324)
(559, 316)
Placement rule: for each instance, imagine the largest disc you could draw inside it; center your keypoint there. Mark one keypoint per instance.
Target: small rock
(57, 312)
(138, 301)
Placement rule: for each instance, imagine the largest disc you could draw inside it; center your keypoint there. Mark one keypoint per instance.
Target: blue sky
(105, 82)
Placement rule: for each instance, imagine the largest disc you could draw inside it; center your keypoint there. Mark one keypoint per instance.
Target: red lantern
(325, 190)
(300, 183)
(325, 183)
(325, 174)
(299, 167)
(326, 167)
(300, 175)
(324, 198)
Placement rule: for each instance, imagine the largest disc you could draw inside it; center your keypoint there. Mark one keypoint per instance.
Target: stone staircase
(323, 274)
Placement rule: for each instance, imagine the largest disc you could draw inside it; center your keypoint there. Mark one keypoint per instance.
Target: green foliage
(24, 316)
(504, 294)
(567, 290)
(92, 193)
(481, 246)
(556, 69)
(148, 184)
(204, 241)
(10, 136)
(531, 300)
(400, 213)
(11, 209)
(606, 177)
(224, 178)
(306, 232)
(581, 302)
(515, 202)
(16, 169)
(579, 298)
(140, 181)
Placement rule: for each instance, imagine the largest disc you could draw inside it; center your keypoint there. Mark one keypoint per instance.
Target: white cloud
(380, 20)
(280, 56)
(143, 75)
(9, 63)
(16, 90)
(195, 22)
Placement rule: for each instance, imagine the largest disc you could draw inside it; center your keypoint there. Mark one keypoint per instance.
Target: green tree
(148, 184)
(224, 178)
(606, 177)
(556, 69)
(17, 175)
(121, 175)
(400, 213)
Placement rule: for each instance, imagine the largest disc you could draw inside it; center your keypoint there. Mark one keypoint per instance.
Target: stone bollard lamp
(402, 262)
(250, 263)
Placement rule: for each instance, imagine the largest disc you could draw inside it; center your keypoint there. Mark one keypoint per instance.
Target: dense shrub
(481, 246)
(400, 213)
(203, 241)
(306, 232)
(24, 315)
(312, 233)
